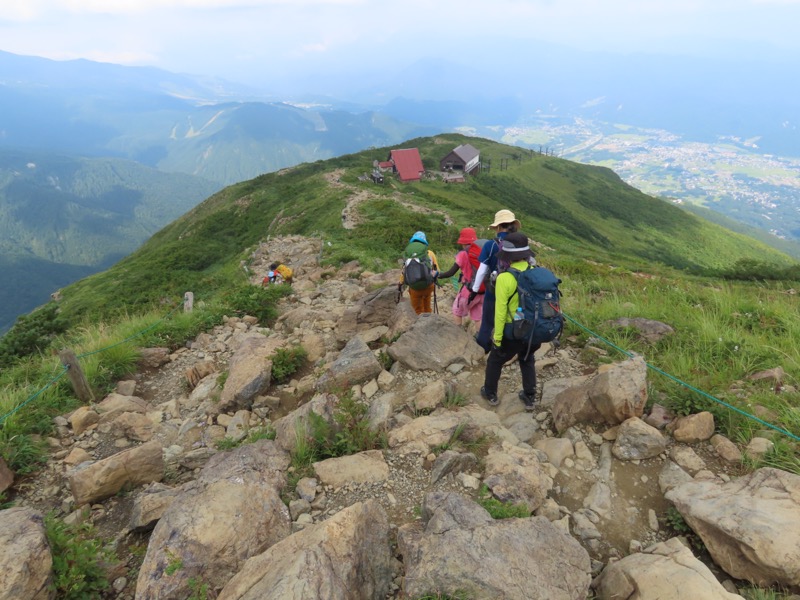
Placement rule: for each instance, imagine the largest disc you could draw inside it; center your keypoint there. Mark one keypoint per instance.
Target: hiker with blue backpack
(504, 223)
(420, 270)
(527, 314)
(467, 262)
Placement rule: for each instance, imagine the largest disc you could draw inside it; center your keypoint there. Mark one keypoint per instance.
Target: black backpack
(417, 273)
(540, 300)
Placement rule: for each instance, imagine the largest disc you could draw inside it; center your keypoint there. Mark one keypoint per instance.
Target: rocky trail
(597, 474)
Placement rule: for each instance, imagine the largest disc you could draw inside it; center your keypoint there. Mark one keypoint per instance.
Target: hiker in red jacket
(466, 261)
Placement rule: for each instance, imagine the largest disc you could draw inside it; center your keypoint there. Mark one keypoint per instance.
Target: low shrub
(286, 362)
(78, 558)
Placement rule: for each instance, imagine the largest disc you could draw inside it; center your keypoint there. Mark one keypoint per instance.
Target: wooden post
(188, 302)
(76, 376)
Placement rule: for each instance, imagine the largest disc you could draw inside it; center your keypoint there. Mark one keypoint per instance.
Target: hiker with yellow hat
(504, 223)
(467, 262)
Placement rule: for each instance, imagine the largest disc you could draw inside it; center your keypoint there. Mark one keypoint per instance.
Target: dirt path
(350, 215)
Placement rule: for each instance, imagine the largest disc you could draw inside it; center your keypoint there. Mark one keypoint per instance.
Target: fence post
(76, 376)
(188, 302)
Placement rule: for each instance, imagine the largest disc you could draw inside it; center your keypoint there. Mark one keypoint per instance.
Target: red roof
(408, 164)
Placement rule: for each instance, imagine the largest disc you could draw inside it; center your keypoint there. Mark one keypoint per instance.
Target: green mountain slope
(75, 216)
(575, 210)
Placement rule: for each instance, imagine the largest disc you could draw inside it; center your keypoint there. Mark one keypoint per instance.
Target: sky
(258, 41)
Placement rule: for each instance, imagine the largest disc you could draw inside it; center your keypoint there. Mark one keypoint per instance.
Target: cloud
(31, 9)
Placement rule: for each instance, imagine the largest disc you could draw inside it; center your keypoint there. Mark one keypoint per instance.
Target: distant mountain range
(174, 123)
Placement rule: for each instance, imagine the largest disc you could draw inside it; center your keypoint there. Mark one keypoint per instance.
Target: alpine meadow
(730, 299)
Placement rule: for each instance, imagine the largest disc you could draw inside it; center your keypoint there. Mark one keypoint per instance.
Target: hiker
(466, 261)
(516, 252)
(281, 270)
(504, 223)
(420, 270)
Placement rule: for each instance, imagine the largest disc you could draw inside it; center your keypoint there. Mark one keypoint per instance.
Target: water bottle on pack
(518, 314)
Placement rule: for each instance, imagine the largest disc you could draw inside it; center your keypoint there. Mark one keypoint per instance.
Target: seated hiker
(420, 270)
(282, 271)
(467, 304)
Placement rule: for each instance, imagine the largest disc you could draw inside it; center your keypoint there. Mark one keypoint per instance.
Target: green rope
(19, 406)
(683, 383)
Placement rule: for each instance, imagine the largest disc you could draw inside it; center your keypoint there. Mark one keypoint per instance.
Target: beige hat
(504, 216)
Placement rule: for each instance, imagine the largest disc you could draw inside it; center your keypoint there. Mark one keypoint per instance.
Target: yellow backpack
(285, 272)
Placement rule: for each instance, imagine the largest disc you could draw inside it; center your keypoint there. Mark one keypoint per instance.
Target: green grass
(78, 558)
(501, 510)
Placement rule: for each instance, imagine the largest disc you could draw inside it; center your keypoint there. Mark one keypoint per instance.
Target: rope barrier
(683, 383)
(85, 354)
(19, 406)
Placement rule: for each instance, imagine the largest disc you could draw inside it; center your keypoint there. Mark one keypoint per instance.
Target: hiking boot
(529, 400)
(491, 398)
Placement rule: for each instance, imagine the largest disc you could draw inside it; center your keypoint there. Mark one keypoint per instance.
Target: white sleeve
(482, 269)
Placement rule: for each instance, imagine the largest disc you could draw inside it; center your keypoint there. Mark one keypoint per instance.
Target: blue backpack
(539, 299)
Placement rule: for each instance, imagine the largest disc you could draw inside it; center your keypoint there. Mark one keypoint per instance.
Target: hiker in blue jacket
(504, 223)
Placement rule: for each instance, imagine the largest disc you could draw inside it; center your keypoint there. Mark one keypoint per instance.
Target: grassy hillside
(620, 254)
(577, 210)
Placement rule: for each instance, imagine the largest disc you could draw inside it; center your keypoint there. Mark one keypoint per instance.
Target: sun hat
(467, 236)
(419, 236)
(504, 216)
(514, 247)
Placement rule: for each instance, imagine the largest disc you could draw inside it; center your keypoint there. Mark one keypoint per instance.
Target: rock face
(515, 475)
(250, 372)
(232, 512)
(90, 482)
(25, 560)
(751, 526)
(665, 571)
(461, 549)
(435, 342)
(616, 393)
(346, 557)
(356, 363)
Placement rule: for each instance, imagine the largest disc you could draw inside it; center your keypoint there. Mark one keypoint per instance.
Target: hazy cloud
(248, 39)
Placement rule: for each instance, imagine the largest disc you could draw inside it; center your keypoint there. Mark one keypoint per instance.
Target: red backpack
(473, 253)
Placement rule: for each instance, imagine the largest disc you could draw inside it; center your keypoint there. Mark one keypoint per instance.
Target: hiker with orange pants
(420, 270)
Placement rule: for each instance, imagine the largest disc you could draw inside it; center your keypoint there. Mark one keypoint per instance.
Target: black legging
(499, 356)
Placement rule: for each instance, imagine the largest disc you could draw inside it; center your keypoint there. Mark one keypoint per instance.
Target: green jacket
(507, 300)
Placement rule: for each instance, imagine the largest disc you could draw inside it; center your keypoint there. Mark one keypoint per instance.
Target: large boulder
(615, 393)
(434, 342)
(647, 329)
(373, 308)
(346, 557)
(94, 481)
(25, 560)
(515, 475)
(356, 363)
(249, 372)
(462, 550)
(665, 571)
(750, 526)
(424, 433)
(232, 512)
(364, 467)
